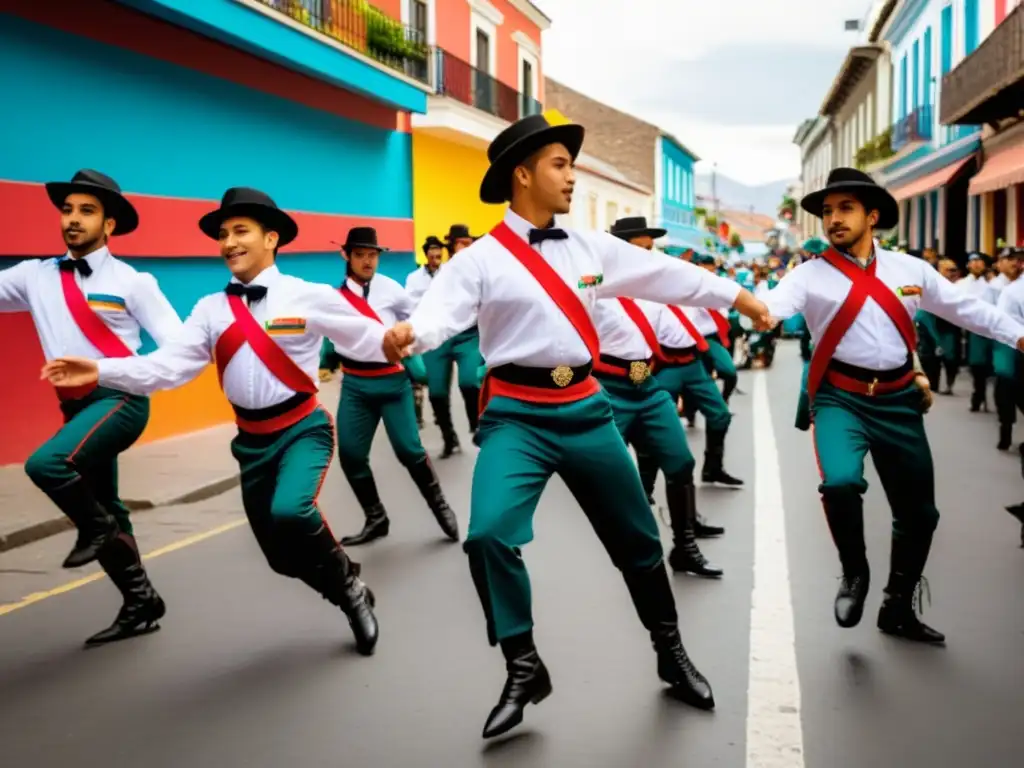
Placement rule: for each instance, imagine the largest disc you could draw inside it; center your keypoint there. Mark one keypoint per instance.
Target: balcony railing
(364, 28)
(463, 82)
(915, 127)
(988, 85)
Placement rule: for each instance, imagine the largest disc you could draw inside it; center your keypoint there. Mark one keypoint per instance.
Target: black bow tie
(72, 265)
(548, 233)
(253, 293)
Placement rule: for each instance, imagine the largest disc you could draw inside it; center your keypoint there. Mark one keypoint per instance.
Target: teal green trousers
(646, 418)
(803, 402)
(693, 382)
(891, 427)
(281, 476)
(979, 351)
(97, 428)
(719, 359)
(462, 351)
(365, 402)
(521, 446)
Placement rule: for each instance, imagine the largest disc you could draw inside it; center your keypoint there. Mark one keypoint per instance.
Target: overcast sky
(731, 79)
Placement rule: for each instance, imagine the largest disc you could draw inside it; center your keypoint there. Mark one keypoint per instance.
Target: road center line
(774, 730)
(37, 597)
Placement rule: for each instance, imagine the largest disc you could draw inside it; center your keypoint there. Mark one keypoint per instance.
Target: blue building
(675, 195)
(930, 169)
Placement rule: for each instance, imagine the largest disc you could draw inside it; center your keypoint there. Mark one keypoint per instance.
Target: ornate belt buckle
(562, 375)
(871, 387)
(638, 372)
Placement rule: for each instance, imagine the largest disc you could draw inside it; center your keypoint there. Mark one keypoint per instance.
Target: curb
(47, 528)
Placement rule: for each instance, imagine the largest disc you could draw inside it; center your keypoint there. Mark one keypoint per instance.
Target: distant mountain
(764, 198)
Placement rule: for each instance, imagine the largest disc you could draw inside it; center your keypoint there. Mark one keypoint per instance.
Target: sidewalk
(178, 470)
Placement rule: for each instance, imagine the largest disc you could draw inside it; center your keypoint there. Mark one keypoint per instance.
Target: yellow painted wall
(446, 189)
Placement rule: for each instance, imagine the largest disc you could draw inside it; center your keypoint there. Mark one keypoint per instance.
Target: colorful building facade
(177, 101)
(487, 73)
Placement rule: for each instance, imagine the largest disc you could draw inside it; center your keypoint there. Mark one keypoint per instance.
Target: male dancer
(1010, 389)
(1009, 394)
(542, 410)
(645, 413)
(979, 348)
(715, 328)
(416, 284)
(264, 331)
(89, 303)
(373, 391)
(864, 392)
(463, 349)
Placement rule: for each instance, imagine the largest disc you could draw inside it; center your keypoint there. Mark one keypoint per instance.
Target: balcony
(360, 26)
(915, 128)
(463, 82)
(988, 85)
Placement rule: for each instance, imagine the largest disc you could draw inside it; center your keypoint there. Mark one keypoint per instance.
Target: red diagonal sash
(89, 323)
(245, 330)
(643, 325)
(722, 325)
(864, 284)
(361, 305)
(689, 327)
(557, 289)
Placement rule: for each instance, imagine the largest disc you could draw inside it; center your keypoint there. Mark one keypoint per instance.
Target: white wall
(594, 193)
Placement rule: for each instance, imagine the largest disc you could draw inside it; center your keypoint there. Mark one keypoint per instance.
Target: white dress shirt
(297, 315)
(705, 323)
(669, 330)
(994, 287)
(125, 299)
(620, 337)
(818, 290)
(519, 323)
(1011, 300)
(417, 282)
(388, 299)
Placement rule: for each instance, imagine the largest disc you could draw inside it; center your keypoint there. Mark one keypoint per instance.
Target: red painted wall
(508, 49)
(1000, 10)
(453, 27)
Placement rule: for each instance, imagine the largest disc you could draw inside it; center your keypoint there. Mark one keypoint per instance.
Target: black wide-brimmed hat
(362, 237)
(635, 226)
(515, 144)
(252, 204)
(103, 188)
(864, 188)
(458, 232)
(432, 242)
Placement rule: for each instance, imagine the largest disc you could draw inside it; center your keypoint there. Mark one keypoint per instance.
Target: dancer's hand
(927, 398)
(397, 341)
(71, 372)
(756, 310)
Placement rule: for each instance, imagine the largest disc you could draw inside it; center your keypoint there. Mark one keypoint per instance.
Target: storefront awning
(1001, 169)
(931, 181)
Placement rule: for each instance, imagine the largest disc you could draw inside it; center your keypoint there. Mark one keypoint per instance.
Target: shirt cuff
(727, 291)
(107, 372)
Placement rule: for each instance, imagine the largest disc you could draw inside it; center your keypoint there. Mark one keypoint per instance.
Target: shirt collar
(356, 287)
(264, 278)
(518, 224)
(94, 259)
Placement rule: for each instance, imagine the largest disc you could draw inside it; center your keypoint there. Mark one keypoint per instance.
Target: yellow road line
(37, 597)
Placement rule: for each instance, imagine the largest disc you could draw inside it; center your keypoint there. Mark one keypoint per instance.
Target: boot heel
(542, 694)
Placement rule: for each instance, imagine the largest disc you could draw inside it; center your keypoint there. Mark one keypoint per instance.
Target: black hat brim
(375, 246)
(874, 196)
(270, 218)
(652, 232)
(497, 183)
(115, 205)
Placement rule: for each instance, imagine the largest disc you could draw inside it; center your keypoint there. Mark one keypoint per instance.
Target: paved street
(253, 670)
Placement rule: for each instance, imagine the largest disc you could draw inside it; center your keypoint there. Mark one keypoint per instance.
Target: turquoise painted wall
(166, 130)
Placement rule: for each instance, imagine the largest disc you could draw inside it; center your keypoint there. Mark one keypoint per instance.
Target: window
(916, 87)
(592, 211)
(928, 67)
(611, 213)
(946, 61)
(483, 51)
(970, 26)
(527, 79)
(529, 72)
(903, 87)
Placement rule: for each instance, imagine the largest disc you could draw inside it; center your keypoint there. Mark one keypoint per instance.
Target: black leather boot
(471, 399)
(686, 556)
(143, 607)
(728, 386)
(425, 478)
(898, 614)
(377, 524)
(845, 515)
(528, 682)
(335, 577)
(1005, 437)
(1017, 510)
(647, 466)
(714, 453)
(656, 607)
(442, 407)
(703, 530)
(96, 526)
